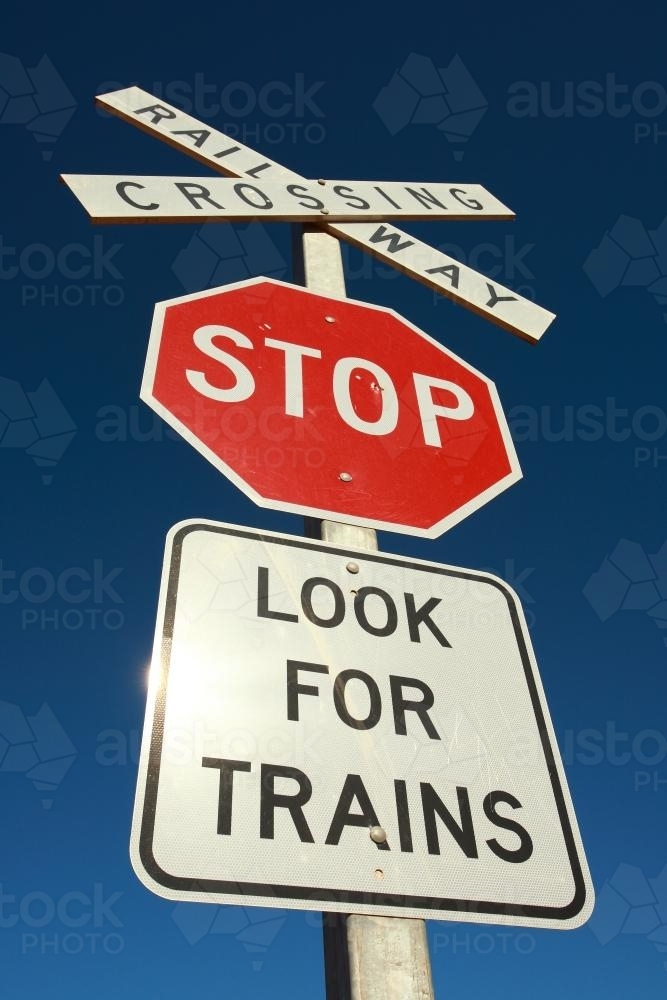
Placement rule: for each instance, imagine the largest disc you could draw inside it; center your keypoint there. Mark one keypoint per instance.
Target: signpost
(331, 729)
(396, 754)
(265, 380)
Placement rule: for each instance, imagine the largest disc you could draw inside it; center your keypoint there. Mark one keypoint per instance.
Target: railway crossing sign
(328, 407)
(426, 264)
(334, 729)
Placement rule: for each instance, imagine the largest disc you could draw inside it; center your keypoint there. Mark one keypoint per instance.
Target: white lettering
(244, 385)
(429, 411)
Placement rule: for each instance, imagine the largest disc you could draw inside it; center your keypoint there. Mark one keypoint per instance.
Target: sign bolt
(352, 567)
(321, 180)
(324, 211)
(329, 319)
(345, 476)
(378, 834)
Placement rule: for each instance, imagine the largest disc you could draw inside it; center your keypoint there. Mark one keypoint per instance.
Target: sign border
(434, 530)
(144, 822)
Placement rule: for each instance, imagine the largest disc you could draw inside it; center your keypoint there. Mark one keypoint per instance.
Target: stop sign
(328, 407)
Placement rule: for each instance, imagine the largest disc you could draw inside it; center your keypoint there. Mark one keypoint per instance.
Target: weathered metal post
(365, 957)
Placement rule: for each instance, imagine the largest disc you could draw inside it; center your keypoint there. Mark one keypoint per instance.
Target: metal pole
(365, 958)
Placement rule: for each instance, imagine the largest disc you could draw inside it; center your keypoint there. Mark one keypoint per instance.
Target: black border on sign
(312, 893)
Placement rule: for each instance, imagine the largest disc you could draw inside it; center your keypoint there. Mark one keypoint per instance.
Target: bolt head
(345, 477)
(329, 319)
(378, 834)
(352, 567)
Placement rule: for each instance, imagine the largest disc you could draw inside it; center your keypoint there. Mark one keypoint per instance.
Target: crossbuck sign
(273, 191)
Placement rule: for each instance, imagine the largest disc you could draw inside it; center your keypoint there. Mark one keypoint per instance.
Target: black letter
(450, 271)
(403, 815)
(360, 611)
(341, 190)
(497, 298)
(258, 169)
(155, 109)
(385, 195)
(227, 768)
(525, 848)
(375, 709)
(416, 617)
(294, 689)
(270, 801)
(425, 198)
(381, 235)
(353, 789)
(297, 190)
(307, 603)
(226, 152)
(266, 201)
(401, 704)
(469, 203)
(464, 835)
(121, 189)
(263, 610)
(200, 135)
(203, 194)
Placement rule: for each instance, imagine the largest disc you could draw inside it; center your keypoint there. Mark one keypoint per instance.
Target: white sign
(343, 730)
(428, 265)
(109, 198)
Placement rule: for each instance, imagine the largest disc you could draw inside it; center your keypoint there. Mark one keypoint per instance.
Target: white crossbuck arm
(130, 198)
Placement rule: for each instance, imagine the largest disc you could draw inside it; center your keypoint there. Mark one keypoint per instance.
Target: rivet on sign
(379, 874)
(378, 835)
(324, 211)
(329, 319)
(320, 180)
(352, 567)
(345, 476)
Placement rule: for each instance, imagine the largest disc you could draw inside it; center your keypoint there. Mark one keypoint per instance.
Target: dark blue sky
(567, 124)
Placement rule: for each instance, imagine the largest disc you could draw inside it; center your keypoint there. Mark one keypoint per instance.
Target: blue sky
(566, 124)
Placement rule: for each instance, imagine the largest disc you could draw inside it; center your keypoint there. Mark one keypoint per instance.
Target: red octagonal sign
(328, 407)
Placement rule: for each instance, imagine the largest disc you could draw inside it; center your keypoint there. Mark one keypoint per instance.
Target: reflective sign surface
(336, 730)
